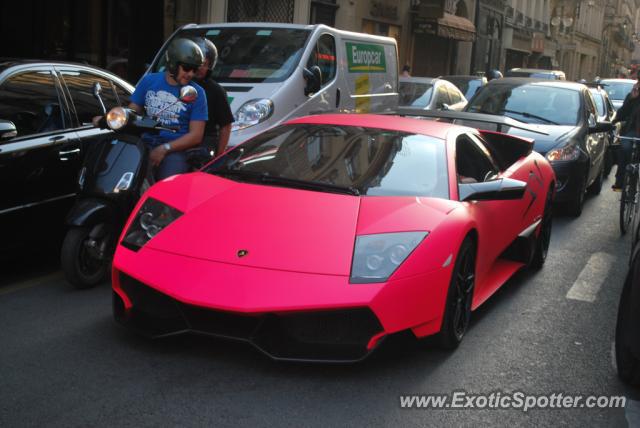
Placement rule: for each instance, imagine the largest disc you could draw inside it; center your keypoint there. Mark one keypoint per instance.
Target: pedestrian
(629, 114)
(406, 71)
(218, 128)
(158, 94)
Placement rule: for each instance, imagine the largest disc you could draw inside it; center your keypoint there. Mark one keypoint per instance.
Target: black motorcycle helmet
(494, 74)
(183, 51)
(209, 50)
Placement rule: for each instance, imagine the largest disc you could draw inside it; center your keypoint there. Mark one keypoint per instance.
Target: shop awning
(456, 27)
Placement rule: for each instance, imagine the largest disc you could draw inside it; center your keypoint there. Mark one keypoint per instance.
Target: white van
(273, 72)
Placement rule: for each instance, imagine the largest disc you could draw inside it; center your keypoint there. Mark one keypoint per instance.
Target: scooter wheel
(80, 268)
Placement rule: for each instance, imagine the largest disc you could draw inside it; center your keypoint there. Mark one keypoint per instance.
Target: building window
(323, 12)
(381, 29)
(260, 11)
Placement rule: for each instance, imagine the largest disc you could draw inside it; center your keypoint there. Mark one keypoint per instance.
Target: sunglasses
(189, 67)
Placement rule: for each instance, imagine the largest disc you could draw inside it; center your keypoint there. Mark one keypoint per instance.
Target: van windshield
(251, 54)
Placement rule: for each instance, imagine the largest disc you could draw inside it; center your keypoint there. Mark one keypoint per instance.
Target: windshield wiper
(525, 114)
(264, 177)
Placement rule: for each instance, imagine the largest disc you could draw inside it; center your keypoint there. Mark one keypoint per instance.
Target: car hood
(280, 228)
(544, 143)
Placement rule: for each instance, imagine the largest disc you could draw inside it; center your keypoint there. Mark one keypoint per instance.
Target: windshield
(618, 90)
(251, 54)
(415, 94)
(366, 161)
(529, 103)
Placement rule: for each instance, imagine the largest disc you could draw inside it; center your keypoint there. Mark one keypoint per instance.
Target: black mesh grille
(340, 335)
(260, 11)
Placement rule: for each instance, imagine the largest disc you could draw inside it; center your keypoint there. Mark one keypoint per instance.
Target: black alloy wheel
(541, 247)
(79, 264)
(457, 314)
(596, 186)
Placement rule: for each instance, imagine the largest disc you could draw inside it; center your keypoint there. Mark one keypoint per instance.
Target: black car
(468, 85)
(572, 139)
(627, 342)
(45, 124)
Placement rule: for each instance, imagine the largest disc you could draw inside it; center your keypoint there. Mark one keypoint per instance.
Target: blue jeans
(172, 164)
(624, 155)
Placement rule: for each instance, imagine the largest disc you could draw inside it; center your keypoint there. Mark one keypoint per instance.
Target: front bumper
(286, 315)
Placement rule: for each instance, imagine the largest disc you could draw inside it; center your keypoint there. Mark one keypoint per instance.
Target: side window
(591, 105)
(324, 56)
(31, 101)
(473, 161)
(80, 85)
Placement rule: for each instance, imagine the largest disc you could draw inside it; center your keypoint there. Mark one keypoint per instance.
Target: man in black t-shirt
(218, 129)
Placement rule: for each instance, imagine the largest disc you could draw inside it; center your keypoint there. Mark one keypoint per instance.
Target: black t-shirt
(219, 110)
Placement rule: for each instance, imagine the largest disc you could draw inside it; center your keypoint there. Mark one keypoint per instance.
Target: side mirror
(188, 94)
(313, 77)
(7, 130)
(603, 126)
(97, 90)
(502, 189)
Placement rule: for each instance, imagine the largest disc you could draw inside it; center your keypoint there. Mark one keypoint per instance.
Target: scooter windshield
(251, 54)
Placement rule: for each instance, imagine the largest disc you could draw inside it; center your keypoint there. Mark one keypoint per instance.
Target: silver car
(617, 89)
(429, 93)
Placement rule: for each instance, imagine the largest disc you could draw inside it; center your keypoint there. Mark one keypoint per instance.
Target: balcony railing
(519, 18)
(508, 16)
(528, 22)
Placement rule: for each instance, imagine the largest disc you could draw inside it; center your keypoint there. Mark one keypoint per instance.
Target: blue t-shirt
(155, 93)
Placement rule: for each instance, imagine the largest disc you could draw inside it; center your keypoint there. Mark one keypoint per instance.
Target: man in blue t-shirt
(158, 93)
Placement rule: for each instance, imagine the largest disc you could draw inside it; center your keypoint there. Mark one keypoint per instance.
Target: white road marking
(591, 278)
(30, 283)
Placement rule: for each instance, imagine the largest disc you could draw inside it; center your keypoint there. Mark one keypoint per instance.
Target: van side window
(324, 56)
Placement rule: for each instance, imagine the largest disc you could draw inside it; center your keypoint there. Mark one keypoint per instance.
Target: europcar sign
(366, 58)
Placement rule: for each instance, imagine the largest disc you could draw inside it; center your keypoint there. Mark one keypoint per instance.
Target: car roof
(462, 76)
(418, 79)
(8, 63)
(389, 122)
(536, 70)
(618, 80)
(518, 81)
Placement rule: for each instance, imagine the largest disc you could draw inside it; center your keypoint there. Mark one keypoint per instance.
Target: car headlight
(376, 257)
(117, 118)
(567, 153)
(251, 113)
(152, 217)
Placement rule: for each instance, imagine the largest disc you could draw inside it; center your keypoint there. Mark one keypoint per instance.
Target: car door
(38, 181)
(328, 97)
(497, 221)
(78, 83)
(596, 142)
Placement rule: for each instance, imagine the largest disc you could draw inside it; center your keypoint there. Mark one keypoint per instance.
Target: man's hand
(157, 155)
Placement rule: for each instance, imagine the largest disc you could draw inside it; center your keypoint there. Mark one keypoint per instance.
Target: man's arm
(188, 140)
(223, 134)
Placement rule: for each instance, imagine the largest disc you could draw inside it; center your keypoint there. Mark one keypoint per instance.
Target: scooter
(115, 173)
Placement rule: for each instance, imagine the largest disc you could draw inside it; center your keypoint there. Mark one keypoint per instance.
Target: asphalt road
(64, 362)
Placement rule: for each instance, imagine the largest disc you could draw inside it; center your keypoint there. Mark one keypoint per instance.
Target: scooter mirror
(188, 94)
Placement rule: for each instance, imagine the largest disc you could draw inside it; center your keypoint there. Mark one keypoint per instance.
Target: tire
(575, 205)
(628, 365)
(541, 247)
(457, 313)
(80, 269)
(596, 186)
(627, 202)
